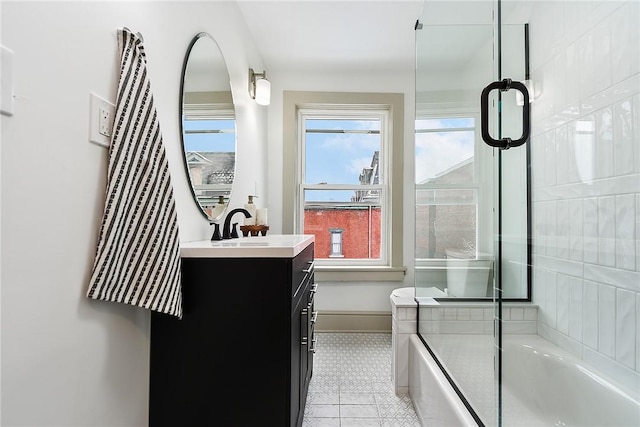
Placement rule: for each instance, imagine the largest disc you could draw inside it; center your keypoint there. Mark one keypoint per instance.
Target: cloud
(437, 152)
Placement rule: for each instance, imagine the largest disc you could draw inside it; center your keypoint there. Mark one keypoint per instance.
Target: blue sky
(438, 151)
(221, 142)
(339, 158)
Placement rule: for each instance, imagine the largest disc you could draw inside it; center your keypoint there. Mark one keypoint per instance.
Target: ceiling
(333, 36)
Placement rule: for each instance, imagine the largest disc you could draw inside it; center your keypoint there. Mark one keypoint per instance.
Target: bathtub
(542, 386)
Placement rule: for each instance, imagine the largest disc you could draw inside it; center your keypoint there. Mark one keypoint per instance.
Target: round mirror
(208, 126)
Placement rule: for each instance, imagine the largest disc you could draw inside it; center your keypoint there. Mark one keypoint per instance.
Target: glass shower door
(472, 199)
(455, 197)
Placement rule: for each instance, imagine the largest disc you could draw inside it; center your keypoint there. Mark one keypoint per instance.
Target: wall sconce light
(259, 87)
(534, 90)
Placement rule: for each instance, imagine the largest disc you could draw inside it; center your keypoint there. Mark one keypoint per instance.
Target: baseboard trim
(353, 321)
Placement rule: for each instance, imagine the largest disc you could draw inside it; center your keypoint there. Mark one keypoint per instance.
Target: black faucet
(226, 231)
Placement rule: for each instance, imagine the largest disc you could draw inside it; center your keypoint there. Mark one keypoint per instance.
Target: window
(209, 144)
(345, 180)
(336, 242)
(446, 186)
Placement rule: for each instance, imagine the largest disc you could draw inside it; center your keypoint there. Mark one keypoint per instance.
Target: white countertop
(274, 246)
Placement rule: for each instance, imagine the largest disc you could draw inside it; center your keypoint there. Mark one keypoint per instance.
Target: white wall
(66, 360)
(586, 180)
(346, 296)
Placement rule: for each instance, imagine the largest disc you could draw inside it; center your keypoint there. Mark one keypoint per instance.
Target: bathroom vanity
(242, 355)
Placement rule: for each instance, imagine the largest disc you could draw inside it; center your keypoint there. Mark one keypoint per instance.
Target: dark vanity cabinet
(242, 355)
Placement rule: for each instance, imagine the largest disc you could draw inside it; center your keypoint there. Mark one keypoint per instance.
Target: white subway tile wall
(586, 180)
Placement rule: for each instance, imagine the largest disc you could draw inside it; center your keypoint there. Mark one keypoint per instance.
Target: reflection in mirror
(208, 126)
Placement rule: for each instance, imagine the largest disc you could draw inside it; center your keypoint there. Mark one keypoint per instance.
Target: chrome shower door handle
(504, 86)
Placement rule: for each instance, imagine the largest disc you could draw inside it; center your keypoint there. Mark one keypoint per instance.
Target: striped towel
(138, 259)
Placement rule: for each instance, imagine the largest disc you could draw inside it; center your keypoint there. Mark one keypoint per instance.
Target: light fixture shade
(533, 92)
(263, 92)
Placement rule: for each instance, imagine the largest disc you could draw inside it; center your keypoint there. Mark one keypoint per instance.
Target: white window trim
(357, 112)
(394, 270)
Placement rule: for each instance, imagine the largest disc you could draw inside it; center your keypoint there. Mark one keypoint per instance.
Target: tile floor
(351, 384)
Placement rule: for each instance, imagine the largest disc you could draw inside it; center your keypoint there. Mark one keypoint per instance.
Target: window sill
(352, 273)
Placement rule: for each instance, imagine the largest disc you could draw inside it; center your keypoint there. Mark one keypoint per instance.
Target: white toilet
(468, 276)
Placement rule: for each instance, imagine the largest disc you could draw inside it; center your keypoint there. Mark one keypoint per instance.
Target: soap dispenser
(251, 208)
(218, 209)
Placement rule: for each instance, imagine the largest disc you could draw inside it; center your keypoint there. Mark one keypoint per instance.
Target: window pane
(217, 135)
(341, 151)
(445, 219)
(445, 156)
(360, 223)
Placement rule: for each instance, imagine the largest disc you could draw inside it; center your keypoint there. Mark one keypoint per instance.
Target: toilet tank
(468, 273)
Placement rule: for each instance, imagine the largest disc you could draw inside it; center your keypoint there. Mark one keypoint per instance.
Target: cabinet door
(297, 327)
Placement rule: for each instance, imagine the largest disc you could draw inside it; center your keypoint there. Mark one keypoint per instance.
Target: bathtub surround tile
(586, 198)
(563, 266)
(575, 308)
(625, 230)
(623, 143)
(636, 130)
(624, 36)
(638, 222)
(463, 314)
(530, 313)
(563, 303)
(448, 314)
(539, 288)
(607, 320)
(476, 313)
(551, 229)
(461, 327)
(550, 159)
(626, 334)
(638, 332)
(584, 147)
(606, 231)
(551, 299)
(590, 314)
(590, 229)
(517, 313)
(587, 65)
(563, 228)
(602, 50)
(562, 164)
(575, 230)
(613, 276)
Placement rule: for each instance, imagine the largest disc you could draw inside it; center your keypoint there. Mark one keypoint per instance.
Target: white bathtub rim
(457, 407)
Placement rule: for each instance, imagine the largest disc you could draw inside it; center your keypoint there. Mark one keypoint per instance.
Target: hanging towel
(137, 259)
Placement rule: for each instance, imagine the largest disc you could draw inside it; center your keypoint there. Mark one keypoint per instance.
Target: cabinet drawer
(302, 270)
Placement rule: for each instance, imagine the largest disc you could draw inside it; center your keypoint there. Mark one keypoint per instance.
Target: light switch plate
(101, 115)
